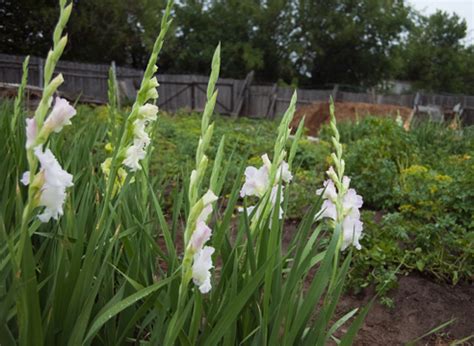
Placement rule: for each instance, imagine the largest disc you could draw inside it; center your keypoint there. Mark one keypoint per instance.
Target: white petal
(56, 180)
(266, 161)
(201, 269)
(352, 200)
(329, 190)
(345, 182)
(352, 231)
(25, 179)
(148, 111)
(328, 209)
(134, 154)
(209, 197)
(60, 115)
(200, 236)
(285, 172)
(31, 131)
(256, 182)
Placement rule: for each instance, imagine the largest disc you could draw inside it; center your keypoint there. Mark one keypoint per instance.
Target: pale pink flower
(31, 132)
(329, 191)
(200, 236)
(207, 200)
(60, 116)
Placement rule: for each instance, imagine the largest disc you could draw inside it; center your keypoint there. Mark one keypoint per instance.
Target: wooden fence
(236, 97)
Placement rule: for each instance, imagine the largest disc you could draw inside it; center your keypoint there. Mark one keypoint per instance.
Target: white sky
(463, 8)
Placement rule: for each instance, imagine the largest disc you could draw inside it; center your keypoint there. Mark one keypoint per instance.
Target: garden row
(418, 187)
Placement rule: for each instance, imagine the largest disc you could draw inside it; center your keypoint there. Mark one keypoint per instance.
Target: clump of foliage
(421, 184)
(91, 254)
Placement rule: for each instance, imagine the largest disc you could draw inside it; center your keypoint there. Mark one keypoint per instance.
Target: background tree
(303, 42)
(346, 41)
(434, 56)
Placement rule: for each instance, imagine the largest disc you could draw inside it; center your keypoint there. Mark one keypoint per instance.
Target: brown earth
(420, 306)
(317, 113)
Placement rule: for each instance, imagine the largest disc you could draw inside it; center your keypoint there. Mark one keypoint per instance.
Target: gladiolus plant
(90, 255)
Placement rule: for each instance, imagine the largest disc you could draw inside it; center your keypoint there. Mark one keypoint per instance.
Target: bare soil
(317, 113)
(420, 306)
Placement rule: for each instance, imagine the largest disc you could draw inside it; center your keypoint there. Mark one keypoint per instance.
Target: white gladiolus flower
(31, 132)
(137, 151)
(201, 269)
(148, 112)
(139, 131)
(207, 200)
(249, 209)
(202, 261)
(209, 197)
(329, 191)
(352, 231)
(351, 203)
(328, 209)
(256, 182)
(283, 171)
(60, 116)
(200, 236)
(134, 154)
(53, 191)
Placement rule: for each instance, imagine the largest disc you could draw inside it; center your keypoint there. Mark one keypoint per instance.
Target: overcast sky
(463, 8)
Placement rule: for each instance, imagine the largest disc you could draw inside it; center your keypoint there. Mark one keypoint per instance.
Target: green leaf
(123, 304)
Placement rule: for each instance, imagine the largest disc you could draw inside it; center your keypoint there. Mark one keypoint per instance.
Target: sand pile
(317, 113)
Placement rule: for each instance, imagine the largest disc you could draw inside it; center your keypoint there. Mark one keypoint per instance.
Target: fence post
(117, 91)
(416, 100)
(272, 102)
(334, 92)
(193, 99)
(242, 94)
(40, 72)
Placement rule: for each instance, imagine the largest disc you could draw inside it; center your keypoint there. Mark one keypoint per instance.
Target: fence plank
(236, 96)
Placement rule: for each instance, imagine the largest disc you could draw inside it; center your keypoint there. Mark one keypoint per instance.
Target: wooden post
(242, 93)
(334, 92)
(40, 72)
(272, 102)
(117, 91)
(193, 100)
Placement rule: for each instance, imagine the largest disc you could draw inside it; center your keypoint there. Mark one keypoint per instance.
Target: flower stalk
(341, 203)
(197, 257)
(132, 146)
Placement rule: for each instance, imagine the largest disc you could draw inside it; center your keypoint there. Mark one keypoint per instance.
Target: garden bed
(420, 306)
